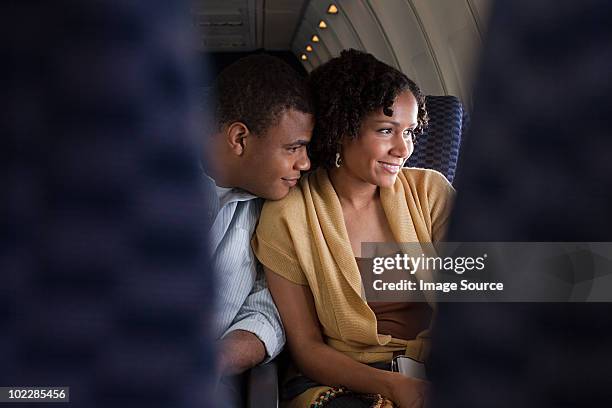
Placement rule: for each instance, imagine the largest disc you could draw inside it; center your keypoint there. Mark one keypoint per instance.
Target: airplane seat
(438, 147)
(263, 384)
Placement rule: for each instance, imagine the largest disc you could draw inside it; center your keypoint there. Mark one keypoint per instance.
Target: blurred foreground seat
(535, 167)
(105, 285)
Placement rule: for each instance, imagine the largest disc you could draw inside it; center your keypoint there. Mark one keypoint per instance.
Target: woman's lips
(390, 168)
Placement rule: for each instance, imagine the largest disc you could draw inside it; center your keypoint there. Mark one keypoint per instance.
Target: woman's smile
(389, 167)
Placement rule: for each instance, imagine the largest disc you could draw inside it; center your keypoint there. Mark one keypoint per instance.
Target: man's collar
(227, 195)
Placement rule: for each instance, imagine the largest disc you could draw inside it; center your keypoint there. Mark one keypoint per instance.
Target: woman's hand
(408, 392)
(325, 365)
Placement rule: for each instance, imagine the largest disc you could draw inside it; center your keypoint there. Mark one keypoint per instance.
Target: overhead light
(315, 38)
(303, 57)
(332, 9)
(309, 48)
(322, 24)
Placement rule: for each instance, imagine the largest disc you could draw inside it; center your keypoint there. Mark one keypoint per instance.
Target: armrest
(262, 386)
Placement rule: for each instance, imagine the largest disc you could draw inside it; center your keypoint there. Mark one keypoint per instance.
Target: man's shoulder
(255, 204)
(250, 211)
(244, 215)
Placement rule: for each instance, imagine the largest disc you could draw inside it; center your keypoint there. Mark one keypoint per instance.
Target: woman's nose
(403, 147)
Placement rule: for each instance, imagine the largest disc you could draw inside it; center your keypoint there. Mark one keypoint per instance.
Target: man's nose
(303, 162)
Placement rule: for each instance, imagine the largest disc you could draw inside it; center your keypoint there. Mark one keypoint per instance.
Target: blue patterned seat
(438, 147)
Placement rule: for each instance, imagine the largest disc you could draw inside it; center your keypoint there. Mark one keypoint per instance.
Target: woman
(367, 115)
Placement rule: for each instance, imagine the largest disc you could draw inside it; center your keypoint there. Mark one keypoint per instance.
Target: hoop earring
(338, 160)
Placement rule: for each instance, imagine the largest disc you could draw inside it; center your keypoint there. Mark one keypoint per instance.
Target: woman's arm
(326, 365)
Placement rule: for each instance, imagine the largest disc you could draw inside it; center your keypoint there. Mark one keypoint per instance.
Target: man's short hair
(256, 90)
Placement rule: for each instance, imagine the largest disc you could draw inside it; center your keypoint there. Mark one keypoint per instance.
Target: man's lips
(292, 181)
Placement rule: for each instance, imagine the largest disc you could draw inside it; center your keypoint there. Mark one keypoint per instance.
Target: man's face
(275, 159)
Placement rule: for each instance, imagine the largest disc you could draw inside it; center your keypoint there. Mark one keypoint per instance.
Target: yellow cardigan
(304, 239)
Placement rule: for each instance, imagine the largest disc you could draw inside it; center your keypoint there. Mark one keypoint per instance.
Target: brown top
(402, 320)
(303, 238)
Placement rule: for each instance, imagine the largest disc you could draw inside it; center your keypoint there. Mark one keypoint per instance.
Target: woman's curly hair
(346, 89)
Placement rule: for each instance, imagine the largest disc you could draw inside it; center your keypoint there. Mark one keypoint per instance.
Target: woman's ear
(236, 134)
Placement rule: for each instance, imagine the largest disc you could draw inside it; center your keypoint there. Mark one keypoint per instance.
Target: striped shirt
(243, 299)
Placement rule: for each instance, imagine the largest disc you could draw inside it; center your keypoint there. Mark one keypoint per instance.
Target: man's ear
(236, 134)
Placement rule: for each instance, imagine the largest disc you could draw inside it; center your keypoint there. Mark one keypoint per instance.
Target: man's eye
(294, 149)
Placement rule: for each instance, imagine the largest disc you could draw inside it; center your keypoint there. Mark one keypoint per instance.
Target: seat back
(438, 147)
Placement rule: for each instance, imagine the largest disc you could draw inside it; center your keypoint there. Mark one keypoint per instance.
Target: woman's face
(383, 144)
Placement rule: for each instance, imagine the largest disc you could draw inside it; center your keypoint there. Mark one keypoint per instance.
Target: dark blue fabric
(535, 167)
(438, 147)
(541, 126)
(105, 284)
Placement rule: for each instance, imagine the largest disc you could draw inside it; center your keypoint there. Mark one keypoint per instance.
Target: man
(262, 123)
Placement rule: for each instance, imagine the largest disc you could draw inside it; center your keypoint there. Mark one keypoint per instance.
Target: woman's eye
(386, 131)
(409, 134)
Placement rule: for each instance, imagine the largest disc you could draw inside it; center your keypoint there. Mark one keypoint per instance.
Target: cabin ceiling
(246, 25)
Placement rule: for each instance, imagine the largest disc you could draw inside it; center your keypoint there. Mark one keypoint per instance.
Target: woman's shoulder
(435, 196)
(282, 225)
(291, 206)
(425, 178)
